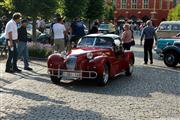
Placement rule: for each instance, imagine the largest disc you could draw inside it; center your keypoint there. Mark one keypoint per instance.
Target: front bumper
(72, 74)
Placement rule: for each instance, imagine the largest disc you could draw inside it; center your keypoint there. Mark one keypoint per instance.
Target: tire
(129, 70)
(55, 80)
(170, 59)
(104, 78)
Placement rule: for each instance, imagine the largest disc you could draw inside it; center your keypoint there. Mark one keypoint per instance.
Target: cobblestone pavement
(151, 93)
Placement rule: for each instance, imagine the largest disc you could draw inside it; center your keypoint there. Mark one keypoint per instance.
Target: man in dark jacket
(77, 30)
(22, 45)
(149, 34)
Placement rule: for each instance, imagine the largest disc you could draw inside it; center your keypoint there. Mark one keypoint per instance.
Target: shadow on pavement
(142, 83)
(55, 112)
(29, 95)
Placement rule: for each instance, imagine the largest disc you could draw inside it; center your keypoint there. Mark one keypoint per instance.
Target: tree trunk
(89, 24)
(34, 29)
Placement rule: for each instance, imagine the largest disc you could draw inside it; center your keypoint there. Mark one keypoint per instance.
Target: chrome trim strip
(59, 75)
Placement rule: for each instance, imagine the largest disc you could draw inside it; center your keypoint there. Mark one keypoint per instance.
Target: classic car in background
(2, 39)
(96, 56)
(163, 42)
(167, 29)
(104, 28)
(41, 37)
(3, 47)
(172, 54)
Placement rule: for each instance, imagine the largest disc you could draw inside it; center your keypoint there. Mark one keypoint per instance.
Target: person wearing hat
(22, 44)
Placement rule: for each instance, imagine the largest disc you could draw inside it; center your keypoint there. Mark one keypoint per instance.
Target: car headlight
(90, 55)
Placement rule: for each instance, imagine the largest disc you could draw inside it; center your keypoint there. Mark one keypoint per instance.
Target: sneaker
(28, 68)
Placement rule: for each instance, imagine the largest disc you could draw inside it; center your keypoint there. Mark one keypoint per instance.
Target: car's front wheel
(170, 59)
(129, 70)
(55, 79)
(103, 79)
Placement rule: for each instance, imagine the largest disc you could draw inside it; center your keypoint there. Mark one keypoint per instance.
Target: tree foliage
(109, 8)
(174, 14)
(75, 8)
(95, 9)
(35, 7)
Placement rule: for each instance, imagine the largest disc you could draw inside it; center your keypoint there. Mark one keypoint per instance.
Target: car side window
(175, 27)
(165, 27)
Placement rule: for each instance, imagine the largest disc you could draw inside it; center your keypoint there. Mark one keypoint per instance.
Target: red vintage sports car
(97, 56)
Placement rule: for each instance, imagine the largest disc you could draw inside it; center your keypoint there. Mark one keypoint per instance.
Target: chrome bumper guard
(75, 74)
(157, 50)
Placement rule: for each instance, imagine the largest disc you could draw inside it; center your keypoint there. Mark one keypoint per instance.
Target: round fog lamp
(90, 55)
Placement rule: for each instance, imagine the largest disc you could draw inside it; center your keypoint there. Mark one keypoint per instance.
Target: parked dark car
(163, 42)
(104, 28)
(172, 54)
(41, 38)
(2, 39)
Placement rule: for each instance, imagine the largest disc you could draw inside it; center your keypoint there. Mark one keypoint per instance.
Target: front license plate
(71, 75)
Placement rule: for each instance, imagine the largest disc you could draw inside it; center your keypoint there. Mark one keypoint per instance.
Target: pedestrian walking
(112, 27)
(148, 35)
(127, 37)
(94, 28)
(59, 31)
(22, 44)
(77, 30)
(11, 35)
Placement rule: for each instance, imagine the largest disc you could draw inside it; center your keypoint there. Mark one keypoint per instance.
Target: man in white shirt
(59, 31)
(11, 35)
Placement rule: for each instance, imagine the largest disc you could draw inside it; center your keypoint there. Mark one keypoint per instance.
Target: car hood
(81, 51)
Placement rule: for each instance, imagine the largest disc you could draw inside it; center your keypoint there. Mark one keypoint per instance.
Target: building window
(160, 5)
(123, 3)
(133, 3)
(168, 4)
(146, 3)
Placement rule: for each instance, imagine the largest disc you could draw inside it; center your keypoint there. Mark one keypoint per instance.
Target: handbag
(132, 43)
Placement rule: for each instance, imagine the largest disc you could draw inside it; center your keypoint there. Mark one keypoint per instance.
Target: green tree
(174, 14)
(35, 8)
(95, 10)
(75, 8)
(109, 8)
(5, 7)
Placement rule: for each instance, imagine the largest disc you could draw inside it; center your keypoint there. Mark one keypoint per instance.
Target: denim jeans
(23, 52)
(11, 63)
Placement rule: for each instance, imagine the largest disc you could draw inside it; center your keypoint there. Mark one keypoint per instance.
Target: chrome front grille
(71, 62)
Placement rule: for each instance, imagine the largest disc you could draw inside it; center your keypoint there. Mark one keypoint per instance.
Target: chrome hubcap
(131, 68)
(105, 75)
(170, 59)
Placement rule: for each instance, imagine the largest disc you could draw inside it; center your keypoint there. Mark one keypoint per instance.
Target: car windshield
(104, 26)
(95, 42)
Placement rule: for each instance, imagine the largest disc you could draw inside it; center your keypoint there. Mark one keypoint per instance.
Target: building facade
(143, 10)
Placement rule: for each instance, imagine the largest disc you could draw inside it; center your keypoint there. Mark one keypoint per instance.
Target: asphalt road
(152, 92)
